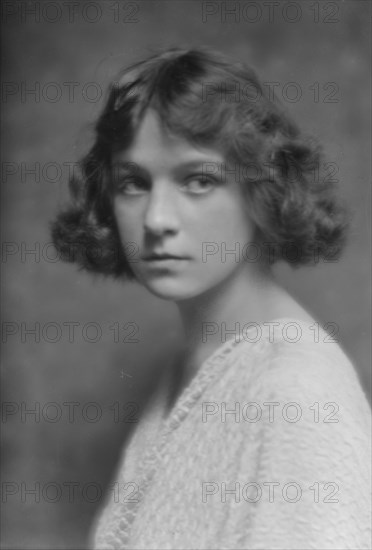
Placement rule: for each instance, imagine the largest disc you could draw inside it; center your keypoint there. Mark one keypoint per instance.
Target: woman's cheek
(129, 226)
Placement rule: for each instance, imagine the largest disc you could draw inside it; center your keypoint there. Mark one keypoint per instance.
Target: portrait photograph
(186, 275)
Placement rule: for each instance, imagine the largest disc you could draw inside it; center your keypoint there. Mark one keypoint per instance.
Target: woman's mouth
(164, 260)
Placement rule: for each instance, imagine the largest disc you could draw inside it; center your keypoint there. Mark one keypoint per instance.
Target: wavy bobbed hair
(208, 101)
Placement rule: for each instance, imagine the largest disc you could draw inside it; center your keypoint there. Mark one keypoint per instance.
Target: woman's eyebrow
(207, 167)
(127, 166)
(201, 163)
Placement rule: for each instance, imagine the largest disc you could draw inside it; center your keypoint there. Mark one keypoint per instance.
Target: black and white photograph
(186, 275)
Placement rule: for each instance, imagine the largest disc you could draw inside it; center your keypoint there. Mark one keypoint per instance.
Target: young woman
(259, 437)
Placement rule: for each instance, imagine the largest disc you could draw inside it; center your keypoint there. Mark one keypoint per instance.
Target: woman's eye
(199, 184)
(131, 186)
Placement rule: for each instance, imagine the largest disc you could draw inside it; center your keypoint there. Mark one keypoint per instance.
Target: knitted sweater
(267, 448)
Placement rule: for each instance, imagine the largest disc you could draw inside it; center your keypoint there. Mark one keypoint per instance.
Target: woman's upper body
(267, 447)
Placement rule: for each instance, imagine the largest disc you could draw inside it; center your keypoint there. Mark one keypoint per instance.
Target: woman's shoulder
(290, 359)
(299, 397)
(286, 345)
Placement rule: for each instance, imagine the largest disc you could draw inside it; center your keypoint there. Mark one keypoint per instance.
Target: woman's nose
(161, 212)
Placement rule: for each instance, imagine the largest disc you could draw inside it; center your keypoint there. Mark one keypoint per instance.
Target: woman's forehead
(152, 144)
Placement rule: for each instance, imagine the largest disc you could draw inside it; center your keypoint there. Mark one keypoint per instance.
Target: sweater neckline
(213, 366)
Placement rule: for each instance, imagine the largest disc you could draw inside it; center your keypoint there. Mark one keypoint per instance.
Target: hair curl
(208, 101)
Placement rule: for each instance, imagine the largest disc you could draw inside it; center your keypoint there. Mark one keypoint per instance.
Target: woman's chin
(172, 290)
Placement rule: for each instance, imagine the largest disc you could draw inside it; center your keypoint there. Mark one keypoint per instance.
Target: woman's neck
(210, 319)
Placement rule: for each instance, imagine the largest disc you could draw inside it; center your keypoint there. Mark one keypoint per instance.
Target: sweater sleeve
(311, 486)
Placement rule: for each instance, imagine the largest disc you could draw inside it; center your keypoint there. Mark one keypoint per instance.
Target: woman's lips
(163, 257)
(164, 260)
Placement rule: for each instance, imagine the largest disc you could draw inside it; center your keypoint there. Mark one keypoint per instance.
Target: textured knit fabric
(267, 448)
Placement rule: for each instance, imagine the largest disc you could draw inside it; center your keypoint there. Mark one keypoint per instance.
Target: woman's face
(181, 215)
